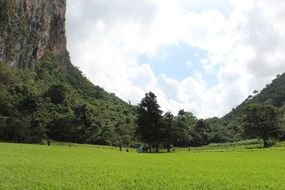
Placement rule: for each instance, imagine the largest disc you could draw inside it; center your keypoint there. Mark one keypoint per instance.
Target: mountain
(43, 96)
(273, 94)
(31, 28)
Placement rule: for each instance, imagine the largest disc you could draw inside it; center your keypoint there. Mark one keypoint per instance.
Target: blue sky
(199, 6)
(179, 61)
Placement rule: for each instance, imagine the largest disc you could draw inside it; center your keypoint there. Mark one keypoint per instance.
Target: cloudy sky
(204, 56)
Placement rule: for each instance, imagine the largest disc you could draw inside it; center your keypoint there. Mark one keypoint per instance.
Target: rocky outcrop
(31, 28)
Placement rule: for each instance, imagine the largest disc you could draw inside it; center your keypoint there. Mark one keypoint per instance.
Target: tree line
(158, 130)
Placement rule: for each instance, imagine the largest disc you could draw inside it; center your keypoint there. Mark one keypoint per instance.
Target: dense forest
(272, 94)
(48, 103)
(255, 120)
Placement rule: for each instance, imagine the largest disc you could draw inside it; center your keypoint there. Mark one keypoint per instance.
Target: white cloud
(106, 38)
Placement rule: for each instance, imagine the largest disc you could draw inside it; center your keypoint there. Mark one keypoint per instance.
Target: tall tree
(282, 122)
(88, 122)
(262, 121)
(219, 133)
(184, 124)
(31, 108)
(169, 135)
(123, 133)
(149, 128)
(201, 127)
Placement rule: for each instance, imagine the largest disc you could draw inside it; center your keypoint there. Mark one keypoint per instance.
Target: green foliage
(6, 75)
(219, 131)
(202, 130)
(272, 94)
(51, 103)
(168, 134)
(262, 121)
(56, 93)
(149, 114)
(184, 129)
(6, 104)
(282, 122)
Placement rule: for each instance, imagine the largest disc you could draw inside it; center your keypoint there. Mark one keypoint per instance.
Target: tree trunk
(265, 142)
(69, 134)
(120, 147)
(156, 146)
(168, 148)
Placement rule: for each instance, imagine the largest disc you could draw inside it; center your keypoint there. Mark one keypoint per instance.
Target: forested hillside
(43, 96)
(272, 94)
(48, 103)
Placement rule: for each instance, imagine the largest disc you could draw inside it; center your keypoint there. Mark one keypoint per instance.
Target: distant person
(127, 150)
(49, 142)
(140, 149)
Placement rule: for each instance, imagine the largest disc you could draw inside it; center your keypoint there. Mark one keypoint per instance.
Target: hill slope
(273, 93)
(42, 94)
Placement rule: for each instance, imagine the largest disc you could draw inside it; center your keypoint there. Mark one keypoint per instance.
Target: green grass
(62, 167)
(233, 146)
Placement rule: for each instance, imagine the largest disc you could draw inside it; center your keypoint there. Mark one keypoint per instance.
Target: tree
(62, 128)
(123, 134)
(88, 123)
(184, 128)
(219, 133)
(56, 93)
(262, 121)
(31, 108)
(201, 127)
(282, 123)
(169, 135)
(15, 129)
(7, 75)
(7, 108)
(37, 131)
(149, 128)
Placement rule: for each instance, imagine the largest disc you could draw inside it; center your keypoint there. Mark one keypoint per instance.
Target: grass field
(61, 167)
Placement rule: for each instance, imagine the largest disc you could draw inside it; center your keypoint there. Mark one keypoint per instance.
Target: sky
(203, 56)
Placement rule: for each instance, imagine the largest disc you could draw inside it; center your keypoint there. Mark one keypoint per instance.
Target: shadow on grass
(160, 152)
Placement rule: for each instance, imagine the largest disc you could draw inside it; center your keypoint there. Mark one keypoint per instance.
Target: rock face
(31, 28)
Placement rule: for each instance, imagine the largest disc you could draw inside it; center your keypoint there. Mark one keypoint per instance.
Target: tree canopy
(262, 121)
(149, 127)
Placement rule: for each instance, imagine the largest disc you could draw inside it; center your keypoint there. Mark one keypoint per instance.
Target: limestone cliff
(31, 28)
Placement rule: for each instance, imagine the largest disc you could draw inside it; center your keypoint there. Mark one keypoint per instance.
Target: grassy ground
(63, 167)
(245, 145)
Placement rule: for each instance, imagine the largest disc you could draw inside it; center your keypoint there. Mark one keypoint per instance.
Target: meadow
(90, 167)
